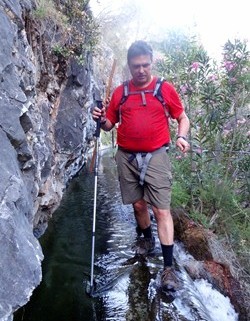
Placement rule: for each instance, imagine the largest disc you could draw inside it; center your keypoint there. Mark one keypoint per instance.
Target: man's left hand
(182, 144)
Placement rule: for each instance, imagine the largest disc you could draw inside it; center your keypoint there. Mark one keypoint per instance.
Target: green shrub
(72, 30)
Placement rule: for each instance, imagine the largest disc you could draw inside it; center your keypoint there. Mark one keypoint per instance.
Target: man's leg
(145, 245)
(165, 228)
(142, 214)
(165, 225)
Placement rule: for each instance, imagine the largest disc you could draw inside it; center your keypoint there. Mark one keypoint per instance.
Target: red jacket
(143, 128)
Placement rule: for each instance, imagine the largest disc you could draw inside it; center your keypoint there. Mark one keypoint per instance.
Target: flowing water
(127, 289)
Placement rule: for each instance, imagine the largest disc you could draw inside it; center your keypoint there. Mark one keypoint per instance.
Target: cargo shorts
(156, 189)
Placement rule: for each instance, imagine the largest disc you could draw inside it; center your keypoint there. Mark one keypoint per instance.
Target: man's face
(140, 68)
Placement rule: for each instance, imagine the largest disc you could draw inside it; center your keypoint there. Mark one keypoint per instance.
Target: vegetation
(73, 29)
(213, 180)
(115, 29)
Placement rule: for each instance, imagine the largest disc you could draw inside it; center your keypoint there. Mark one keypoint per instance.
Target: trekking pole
(90, 290)
(107, 94)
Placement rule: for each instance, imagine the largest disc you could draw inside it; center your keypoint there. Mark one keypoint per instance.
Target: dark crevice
(26, 122)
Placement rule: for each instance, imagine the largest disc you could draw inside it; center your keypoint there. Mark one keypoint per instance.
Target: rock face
(45, 130)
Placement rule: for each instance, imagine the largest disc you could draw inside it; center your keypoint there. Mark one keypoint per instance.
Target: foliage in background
(74, 30)
(213, 180)
(116, 33)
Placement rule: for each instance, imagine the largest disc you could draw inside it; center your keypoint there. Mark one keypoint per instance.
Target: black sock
(147, 232)
(167, 252)
(138, 230)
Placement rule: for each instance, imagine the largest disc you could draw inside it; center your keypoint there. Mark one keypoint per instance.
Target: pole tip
(89, 290)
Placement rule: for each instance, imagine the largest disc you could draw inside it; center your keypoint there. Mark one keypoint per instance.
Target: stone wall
(45, 132)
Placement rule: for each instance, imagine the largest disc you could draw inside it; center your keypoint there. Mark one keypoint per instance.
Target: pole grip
(98, 123)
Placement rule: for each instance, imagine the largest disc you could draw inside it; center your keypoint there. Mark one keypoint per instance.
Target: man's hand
(182, 144)
(106, 102)
(183, 127)
(99, 113)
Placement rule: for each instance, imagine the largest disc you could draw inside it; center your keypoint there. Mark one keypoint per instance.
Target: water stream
(127, 289)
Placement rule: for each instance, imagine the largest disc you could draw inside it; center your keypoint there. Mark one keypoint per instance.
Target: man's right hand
(99, 113)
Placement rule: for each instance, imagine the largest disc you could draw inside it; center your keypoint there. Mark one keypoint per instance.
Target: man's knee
(140, 206)
(162, 213)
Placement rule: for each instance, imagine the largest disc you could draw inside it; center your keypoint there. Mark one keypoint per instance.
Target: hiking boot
(169, 280)
(144, 246)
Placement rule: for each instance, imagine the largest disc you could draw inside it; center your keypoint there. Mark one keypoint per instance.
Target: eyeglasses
(138, 66)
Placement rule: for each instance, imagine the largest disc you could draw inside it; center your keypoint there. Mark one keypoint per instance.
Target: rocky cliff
(45, 130)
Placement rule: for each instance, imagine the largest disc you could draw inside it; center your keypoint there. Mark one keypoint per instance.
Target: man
(142, 161)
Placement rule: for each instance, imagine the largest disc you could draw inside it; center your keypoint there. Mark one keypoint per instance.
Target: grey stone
(9, 120)
(69, 124)
(20, 252)
(6, 36)
(45, 129)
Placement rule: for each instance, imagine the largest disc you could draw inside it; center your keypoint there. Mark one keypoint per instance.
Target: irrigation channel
(127, 289)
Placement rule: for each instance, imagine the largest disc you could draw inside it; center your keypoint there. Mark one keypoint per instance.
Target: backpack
(156, 93)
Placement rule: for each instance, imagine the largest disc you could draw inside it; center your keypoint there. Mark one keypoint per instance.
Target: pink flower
(212, 77)
(184, 89)
(241, 121)
(198, 150)
(229, 65)
(225, 132)
(232, 80)
(195, 66)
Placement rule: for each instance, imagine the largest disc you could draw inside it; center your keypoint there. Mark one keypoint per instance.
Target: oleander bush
(213, 180)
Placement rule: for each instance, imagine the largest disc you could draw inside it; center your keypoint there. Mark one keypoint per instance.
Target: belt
(143, 159)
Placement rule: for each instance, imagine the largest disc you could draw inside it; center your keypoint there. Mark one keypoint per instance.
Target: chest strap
(156, 92)
(143, 160)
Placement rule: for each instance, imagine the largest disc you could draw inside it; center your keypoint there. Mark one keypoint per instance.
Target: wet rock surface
(214, 262)
(45, 130)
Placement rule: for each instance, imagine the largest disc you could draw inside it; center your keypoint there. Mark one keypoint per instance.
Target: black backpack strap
(158, 85)
(158, 94)
(123, 99)
(125, 92)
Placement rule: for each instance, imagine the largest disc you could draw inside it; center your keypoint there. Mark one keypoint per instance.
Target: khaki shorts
(157, 184)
